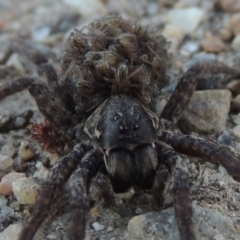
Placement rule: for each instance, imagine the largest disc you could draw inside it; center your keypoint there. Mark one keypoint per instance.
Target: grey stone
(207, 111)
(209, 224)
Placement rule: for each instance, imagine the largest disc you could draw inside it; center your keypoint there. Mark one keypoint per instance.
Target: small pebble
(237, 147)
(3, 201)
(95, 212)
(42, 173)
(225, 34)
(11, 232)
(5, 162)
(14, 61)
(222, 170)
(97, 226)
(172, 31)
(26, 212)
(213, 44)
(51, 237)
(109, 229)
(41, 34)
(25, 151)
(114, 238)
(8, 150)
(237, 119)
(234, 23)
(25, 190)
(87, 8)
(7, 180)
(236, 132)
(230, 5)
(236, 43)
(235, 105)
(234, 86)
(53, 157)
(186, 19)
(207, 111)
(189, 48)
(152, 8)
(225, 138)
(7, 211)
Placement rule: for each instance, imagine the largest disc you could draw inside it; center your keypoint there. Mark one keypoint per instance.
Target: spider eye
(123, 129)
(116, 118)
(135, 127)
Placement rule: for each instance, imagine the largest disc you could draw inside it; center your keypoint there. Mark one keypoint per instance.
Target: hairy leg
(79, 183)
(49, 96)
(15, 122)
(196, 74)
(199, 147)
(44, 68)
(180, 189)
(48, 104)
(59, 174)
(160, 185)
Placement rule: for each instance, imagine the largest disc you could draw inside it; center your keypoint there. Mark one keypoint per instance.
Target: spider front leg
(48, 104)
(199, 147)
(49, 96)
(180, 189)
(79, 183)
(59, 174)
(44, 68)
(196, 74)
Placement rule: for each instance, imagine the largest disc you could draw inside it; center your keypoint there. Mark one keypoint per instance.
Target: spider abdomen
(113, 56)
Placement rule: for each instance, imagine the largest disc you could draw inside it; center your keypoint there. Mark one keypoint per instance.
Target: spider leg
(79, 183)
(59, 174)
(43, 66)
(49, 105)
(199, 147)
(160, 185)
(48, 94)
(46, 70)
(200, 72)
(180, 189)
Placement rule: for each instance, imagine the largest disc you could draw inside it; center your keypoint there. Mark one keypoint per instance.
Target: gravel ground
(197, 30)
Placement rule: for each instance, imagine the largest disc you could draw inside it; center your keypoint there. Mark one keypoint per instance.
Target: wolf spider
(111, 125)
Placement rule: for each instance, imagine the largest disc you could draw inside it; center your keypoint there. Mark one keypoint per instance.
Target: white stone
(15, 62)
(237, 119)
(87, 8)
(189, 48)
(186, 19)
(7, 180)
(8, 149)
(207, 111)
(97, 226)
(236, 132)
(3, 201)
(42, 173)
(39, 165)
(5, 162)
(25, 152)
(11, 232)
(41, 34)
(25, 190)
(236, 43)
(172, 31)
(7, 211)
(152, 8)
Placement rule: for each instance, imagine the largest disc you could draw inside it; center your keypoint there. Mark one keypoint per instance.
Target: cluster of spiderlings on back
(113, 56)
